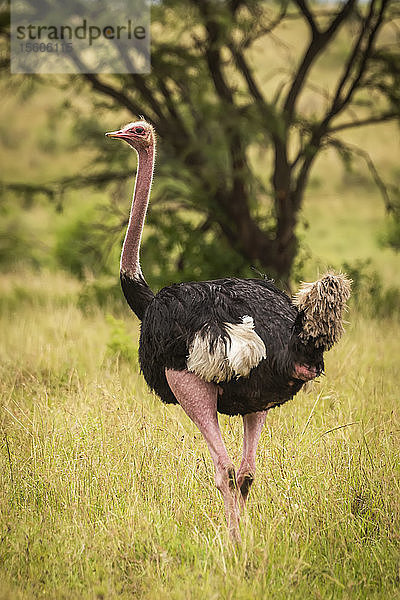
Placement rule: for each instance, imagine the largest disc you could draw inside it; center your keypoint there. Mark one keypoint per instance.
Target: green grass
(106, 493)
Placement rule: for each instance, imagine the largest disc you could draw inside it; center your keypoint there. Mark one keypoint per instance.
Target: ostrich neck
(130, 251)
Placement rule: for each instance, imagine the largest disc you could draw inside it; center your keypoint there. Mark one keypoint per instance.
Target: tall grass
(106, 493)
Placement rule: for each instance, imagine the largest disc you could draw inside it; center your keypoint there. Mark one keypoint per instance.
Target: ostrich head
(139, 135)
(321, 306)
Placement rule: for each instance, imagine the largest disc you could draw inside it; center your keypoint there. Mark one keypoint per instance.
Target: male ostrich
(236, 346)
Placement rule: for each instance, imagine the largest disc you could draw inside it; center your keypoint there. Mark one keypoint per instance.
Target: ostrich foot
(244, 481)
(253, 424)
(225, 480)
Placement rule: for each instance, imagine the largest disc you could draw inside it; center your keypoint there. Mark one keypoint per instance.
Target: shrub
(390, 237)
(368, 292)
(77, 248)
(102, 292)
(16, 245)
(120, 344)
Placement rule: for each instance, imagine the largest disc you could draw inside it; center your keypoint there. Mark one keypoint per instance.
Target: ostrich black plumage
(234, 346)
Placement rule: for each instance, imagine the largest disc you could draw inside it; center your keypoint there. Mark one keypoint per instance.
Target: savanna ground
(106, 493)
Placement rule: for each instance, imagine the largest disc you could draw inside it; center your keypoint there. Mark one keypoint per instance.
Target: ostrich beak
(115, 134)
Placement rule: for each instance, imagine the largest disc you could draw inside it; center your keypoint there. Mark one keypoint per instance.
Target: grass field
(106, 493)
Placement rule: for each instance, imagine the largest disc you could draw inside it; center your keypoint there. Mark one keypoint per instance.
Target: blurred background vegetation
(277, 148)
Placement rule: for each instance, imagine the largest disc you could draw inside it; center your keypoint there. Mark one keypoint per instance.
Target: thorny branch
(55, 189)
(351, 149)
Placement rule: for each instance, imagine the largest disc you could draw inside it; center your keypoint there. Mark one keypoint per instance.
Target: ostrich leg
(252, 426)
(198, 399)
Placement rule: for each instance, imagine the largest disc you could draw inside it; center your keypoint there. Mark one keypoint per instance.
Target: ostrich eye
(139, 130)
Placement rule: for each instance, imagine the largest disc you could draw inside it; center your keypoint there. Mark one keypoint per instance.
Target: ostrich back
(178, 312)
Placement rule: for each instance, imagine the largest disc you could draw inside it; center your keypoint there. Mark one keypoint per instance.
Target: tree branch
(109, 90)
(245, 71)
(213, 50)
(140, 84)
(318, 42)
(54, 189)
(265, 30)
(368, 31)
(303, 7)
(384, 117)
(340, 102)
(117, 95)
(379, 182)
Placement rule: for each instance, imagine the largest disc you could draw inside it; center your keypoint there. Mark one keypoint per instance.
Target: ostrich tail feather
(218, 353)
(321, 305)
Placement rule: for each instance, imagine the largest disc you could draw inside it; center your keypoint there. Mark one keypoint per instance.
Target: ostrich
(233, 346)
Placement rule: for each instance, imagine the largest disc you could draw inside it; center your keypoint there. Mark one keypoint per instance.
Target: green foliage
(15, 246)
(184, 249)
(101, 292)
(77, 248)
(120, 344)
(369, 294)
(390, 237)
(21, 295)
(216, 94)
(25, 236)
(23, 291)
